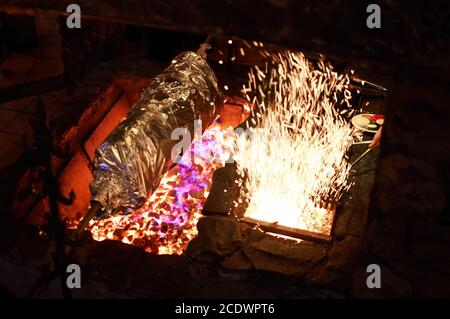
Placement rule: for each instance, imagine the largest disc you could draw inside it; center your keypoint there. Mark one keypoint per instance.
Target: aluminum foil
(130, 163)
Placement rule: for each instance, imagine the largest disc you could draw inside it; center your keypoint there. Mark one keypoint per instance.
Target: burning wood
(285, 231)
(293, 162)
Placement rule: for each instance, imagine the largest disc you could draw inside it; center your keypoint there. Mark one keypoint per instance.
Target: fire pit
(302, 208)
(275, 205)
(297, 162)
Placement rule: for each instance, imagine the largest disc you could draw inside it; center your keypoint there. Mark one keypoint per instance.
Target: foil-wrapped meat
(129, 164)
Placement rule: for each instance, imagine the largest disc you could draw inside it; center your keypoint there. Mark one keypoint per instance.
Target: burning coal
(167, 221)
(293, 161)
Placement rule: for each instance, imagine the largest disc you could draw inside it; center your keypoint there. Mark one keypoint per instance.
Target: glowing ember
(294, 163)
(167, 221)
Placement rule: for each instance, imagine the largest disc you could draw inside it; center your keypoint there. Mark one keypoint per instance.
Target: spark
(293, 162)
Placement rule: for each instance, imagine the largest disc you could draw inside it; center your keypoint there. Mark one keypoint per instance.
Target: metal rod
(364, 82)
(362, 155)
(95, 208)
(205, 46)
(208, 38)
(363, 142)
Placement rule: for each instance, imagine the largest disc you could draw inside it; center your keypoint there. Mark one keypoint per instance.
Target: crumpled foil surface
(130, 163)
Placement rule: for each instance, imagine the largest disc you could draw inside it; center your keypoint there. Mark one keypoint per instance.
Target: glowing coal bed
(167, 221)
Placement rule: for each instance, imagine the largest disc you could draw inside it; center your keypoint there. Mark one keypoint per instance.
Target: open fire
(292, 161)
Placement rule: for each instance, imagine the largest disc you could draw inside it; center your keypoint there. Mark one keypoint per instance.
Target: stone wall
(408, 230)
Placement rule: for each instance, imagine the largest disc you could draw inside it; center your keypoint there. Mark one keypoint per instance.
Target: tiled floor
(40, 62)
(45, 61)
